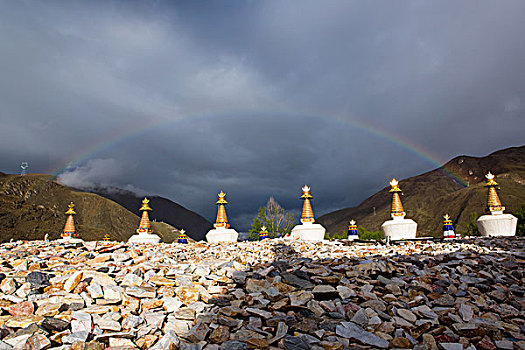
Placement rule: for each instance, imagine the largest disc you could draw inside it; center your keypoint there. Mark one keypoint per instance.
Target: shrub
(369, 235)
(520, 214)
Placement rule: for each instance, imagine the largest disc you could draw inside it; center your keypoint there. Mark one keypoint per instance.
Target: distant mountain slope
(427, 197)
(33, 205)
(164, 209)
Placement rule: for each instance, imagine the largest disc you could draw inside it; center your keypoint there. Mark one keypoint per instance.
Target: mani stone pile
(273, 294)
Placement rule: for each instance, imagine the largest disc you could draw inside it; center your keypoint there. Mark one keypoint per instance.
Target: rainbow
(105, 143)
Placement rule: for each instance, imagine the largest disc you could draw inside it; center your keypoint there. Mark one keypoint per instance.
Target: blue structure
(183, 239)
(352, 231)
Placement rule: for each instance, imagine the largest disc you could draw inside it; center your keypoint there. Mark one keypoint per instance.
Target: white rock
(72, 281)
(95, 290)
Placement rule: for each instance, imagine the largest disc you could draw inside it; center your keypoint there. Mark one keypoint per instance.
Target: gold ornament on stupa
(145, 225)
(308, 213)
(222, 219)
(69, 228)
(106, 238)
(397, 207)
(493, 201)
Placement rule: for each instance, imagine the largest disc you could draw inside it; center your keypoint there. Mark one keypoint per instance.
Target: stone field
(274, 294)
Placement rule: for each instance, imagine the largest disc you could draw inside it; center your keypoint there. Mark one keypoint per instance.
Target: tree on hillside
(472, 226)
(520, 214)
(278, 221)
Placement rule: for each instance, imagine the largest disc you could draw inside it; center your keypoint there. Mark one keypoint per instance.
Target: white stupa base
(222, 234)
(69, 240)
(308, 232)
(497, 225)
(353, 237)
(449, 234)
(399, 228)
(144, 238)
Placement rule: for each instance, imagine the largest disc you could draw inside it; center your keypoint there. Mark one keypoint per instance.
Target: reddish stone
(81, 287)
(34, 267)
(24, 308)
(485, 344)
(38, 342)
(443, 338)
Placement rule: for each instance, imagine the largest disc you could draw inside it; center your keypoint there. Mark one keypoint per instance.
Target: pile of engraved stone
(273, 294)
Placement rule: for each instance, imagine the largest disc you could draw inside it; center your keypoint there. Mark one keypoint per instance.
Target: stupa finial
(71, 209)
(145, 204)
(308, 213)
(493, 201)
(222, 219)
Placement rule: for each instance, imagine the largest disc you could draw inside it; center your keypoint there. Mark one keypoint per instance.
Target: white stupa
(222, 231)
(398, 228)
(307, 230)
(497, 223)
(145, 233)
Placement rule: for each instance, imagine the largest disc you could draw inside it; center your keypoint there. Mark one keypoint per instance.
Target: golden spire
(69, 228)
(145, 225)
(308, 213)
(221, 198)
(446, 217)
(397, 207)
(493, 201)
(106, 237)
(71, 209)
(222, 219)
(145, 205)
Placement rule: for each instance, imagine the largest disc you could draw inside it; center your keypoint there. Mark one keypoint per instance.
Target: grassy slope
(33, 205)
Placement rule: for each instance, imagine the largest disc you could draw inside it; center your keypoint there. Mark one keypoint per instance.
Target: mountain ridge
(164, 209)
(428, 196)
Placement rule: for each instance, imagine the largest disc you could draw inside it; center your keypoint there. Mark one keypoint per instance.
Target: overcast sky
(257, 98)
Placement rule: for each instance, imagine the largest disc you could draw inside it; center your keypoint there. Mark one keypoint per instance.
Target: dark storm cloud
(256, 97)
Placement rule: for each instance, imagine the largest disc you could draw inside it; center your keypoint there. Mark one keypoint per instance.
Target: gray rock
(295, 343)
(234, 345)
(352, 331)
(450, 346)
